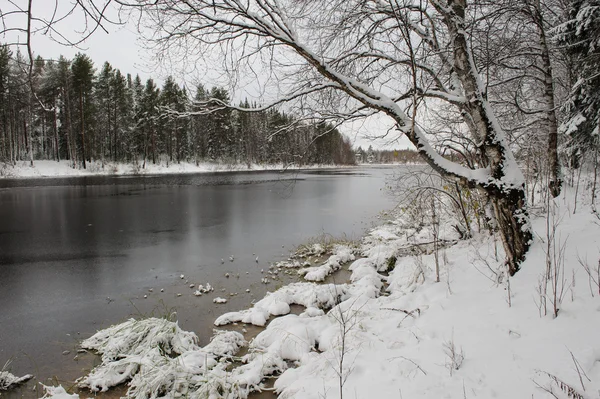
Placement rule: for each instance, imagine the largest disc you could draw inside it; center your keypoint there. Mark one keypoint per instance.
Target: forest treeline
(68, 110)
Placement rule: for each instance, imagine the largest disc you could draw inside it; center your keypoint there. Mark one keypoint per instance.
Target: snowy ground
(64, 169)
(393, 333)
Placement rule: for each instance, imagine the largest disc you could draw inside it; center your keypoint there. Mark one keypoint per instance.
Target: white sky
(122, 48)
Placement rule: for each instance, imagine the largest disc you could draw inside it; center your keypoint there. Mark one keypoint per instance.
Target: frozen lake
(79, 254)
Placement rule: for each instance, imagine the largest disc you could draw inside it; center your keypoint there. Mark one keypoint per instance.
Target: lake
(80, 254)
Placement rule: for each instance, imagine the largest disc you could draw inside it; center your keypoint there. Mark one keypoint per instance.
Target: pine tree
(149, 118)
(103, 94)
(219, 127)
(581, 36)
(172, 102)
(6, 142)
(82, 68)
(137, 130)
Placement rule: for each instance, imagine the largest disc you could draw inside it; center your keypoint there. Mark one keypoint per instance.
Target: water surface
(80, 254)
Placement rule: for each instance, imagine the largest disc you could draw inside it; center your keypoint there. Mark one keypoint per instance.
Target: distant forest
(387, 156)
(69, 110)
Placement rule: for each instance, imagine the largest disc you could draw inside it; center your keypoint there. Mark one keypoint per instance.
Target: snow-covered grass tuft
(8, 380)
(127, 347)
(159, 359)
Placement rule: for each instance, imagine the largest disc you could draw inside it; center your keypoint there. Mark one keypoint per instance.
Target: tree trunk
(55, 127)
(513, 224)
(82, 128)
(554, 180)
(506, 190)
(153, 147)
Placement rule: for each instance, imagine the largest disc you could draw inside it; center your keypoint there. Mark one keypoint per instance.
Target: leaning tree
(355, 58)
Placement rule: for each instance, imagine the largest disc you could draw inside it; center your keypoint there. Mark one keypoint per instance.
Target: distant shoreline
(53, 169)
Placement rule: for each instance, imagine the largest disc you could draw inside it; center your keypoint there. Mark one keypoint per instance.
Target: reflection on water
(77, 255)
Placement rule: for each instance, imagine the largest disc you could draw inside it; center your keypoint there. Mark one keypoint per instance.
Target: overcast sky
(123, 49)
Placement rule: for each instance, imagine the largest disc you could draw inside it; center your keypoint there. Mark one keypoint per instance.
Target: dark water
(79, 254)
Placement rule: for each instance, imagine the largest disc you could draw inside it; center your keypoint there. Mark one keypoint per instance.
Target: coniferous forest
(73, 110)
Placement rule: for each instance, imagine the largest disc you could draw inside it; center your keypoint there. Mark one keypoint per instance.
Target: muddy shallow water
(81, 254)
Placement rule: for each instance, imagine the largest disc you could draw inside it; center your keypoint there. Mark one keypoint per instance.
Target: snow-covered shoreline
(62, 169)
(392, 330)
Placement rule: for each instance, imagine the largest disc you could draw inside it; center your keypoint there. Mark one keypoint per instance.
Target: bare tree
(517, 61)
(357, 58)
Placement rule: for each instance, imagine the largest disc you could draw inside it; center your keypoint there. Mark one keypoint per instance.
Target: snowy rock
(219, 300)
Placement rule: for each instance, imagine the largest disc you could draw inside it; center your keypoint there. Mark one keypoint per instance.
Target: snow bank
(459, 337)
(393, 334)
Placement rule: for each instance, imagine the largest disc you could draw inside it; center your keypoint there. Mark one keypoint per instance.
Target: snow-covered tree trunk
(554, 178)
(506, 185)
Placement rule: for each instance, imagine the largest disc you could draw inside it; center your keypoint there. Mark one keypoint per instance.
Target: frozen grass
(9, 380)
